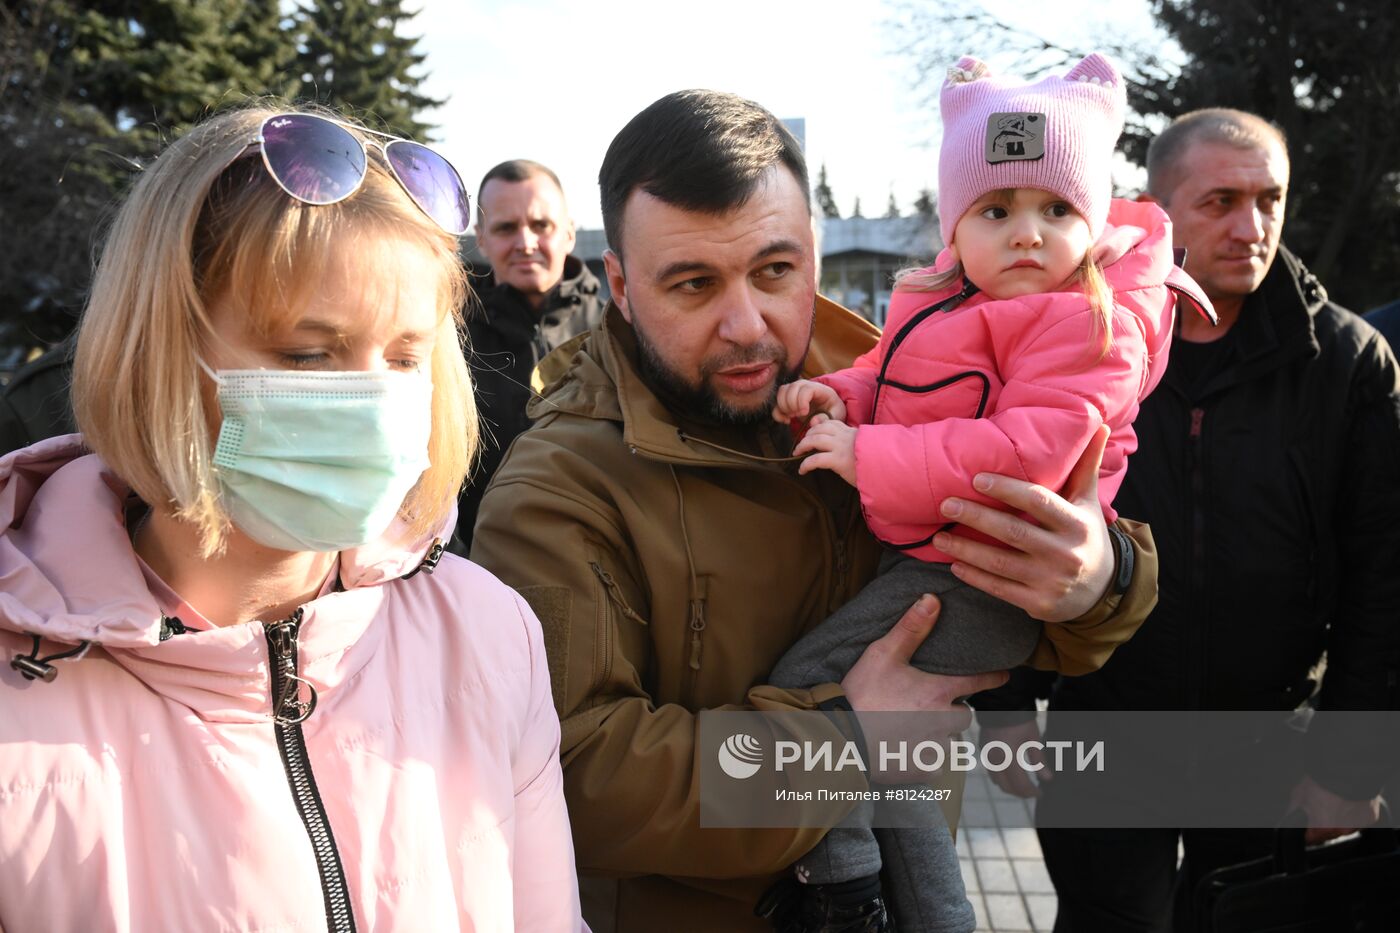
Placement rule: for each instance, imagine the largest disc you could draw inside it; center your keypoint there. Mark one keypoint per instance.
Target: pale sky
(554, 80)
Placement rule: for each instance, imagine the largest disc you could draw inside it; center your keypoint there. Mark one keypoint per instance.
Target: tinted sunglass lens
(433, 184)
(315, 160)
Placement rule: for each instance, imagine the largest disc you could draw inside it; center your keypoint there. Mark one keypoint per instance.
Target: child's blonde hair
(206, 220)
(1096, 289)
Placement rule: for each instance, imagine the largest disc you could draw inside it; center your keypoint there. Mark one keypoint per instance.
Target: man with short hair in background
(536, 297)
(1266, 465)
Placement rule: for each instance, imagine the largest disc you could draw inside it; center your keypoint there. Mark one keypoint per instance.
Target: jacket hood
(68, 571)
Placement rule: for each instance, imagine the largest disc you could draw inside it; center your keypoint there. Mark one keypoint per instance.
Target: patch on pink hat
(1015, 137)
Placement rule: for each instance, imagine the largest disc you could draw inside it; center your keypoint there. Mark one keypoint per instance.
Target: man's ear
(617, 283)
(572, 234)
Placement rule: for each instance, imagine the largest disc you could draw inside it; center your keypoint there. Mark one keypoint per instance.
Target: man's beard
(702, 402)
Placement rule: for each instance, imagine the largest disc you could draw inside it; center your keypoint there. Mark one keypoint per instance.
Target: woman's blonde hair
(1089, 275)
(204, 221)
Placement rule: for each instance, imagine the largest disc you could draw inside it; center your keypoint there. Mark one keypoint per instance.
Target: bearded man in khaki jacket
(658, 528)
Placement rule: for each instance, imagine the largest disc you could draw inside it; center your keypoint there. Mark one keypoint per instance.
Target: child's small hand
(835, 446)
(803, 398)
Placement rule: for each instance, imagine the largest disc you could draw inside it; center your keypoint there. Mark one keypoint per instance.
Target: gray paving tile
(1007, 912)
(1032, 876)
(996, 876)
(979, 907)
(1021, 843)
(1012, 813)
(1042, 907)
(969, 875)
(978, 787)
(978, 813)
(986, 843)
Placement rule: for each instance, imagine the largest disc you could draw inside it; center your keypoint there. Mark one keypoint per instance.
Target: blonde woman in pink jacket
(244, 688)
(1047, 318)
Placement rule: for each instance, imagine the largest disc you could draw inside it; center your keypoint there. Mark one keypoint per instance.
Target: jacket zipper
(1196, 472)
(947, 304)
(289, 712)
(839, 566)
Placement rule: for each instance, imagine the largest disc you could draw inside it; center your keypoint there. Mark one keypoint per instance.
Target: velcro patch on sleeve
(552, 605)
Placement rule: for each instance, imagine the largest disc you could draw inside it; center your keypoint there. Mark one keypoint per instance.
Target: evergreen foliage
(353, 56)
(1326, 73)
(926, 205)
(91, 89)
(826, 201)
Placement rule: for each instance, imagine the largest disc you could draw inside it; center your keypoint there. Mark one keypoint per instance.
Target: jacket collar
(71, 578)
(1275, 326)
(510, 312)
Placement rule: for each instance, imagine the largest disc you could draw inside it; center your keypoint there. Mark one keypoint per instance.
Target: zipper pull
(697, 625)
(287, 706)
(1198, 415)
(171, 626)
(614, 592)
(429, 563)
(968, 290)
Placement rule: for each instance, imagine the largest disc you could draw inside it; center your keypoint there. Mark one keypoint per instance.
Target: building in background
(859, 257)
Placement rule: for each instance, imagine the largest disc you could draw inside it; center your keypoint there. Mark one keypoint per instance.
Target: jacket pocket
(923, 398)
(609, 600)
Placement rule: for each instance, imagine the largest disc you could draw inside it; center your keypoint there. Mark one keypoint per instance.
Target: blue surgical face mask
(319, 461)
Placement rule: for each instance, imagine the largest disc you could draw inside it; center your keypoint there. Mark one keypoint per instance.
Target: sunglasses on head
(318, 160)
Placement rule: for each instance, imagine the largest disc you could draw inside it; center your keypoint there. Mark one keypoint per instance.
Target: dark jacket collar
(509, 311)
(1276, 324)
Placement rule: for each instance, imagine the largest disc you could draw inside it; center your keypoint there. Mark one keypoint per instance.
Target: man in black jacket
(1267, 468)
(536, 297)
(34, 405)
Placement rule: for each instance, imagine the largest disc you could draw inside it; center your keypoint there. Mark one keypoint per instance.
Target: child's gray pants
(974, 633)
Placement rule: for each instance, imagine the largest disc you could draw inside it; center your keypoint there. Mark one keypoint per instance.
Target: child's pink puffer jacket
(1011, 386)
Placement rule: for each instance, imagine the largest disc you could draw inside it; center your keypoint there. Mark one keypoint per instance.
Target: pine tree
(892, 209)
(826, 203)
(926, 205)
(91, 90)
(354, 58)
(1327, 74)
(855, 208)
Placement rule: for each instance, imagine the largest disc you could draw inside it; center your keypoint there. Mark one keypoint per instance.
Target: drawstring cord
(691, 438)
(33, 667)
(429, 562)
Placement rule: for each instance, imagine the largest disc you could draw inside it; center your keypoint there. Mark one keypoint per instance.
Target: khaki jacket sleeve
(630, 773)
(1083, 645)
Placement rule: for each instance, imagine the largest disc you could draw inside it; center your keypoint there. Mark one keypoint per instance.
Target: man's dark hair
(516, 170)
(697, 150)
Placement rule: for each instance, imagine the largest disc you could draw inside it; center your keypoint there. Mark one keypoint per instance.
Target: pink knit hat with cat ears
(1057, 134)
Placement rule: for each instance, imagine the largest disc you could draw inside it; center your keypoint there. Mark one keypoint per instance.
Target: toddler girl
(1047, 315)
